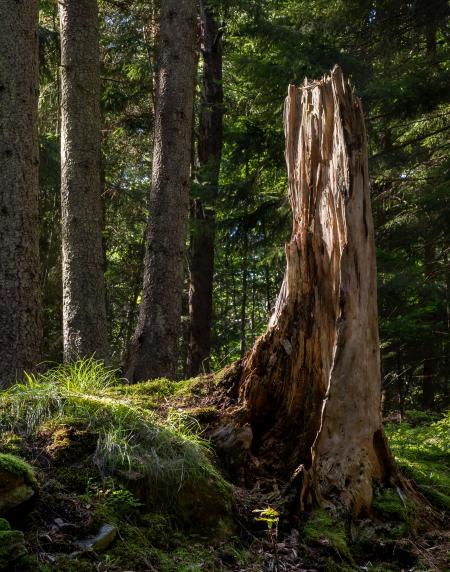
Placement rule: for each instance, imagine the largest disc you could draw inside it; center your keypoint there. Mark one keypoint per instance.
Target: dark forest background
(396, 54)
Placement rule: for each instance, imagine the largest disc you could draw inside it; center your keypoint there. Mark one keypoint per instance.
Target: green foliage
(397, 55)
(391, 504)
(119, 498)
(423, 453)
(18, 466)
(322, 528)
(12, 547)
(169, 456)
(268, 515)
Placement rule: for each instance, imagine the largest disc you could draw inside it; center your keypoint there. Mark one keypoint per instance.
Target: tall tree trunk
(84, 302)
(203, 235)
(429, 370)
(20, 324)
(310, 388)
(154, 348)
(243, 316)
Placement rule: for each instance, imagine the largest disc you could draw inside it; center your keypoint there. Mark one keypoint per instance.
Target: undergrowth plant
(129, 438)
(271, 517)
(422, 450)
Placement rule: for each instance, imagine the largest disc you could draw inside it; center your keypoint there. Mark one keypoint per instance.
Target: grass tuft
(130, 438)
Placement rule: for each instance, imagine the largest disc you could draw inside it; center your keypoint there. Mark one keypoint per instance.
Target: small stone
(17, 482)
(101, 541)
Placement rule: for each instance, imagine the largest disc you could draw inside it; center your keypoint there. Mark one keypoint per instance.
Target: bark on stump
(310, 388)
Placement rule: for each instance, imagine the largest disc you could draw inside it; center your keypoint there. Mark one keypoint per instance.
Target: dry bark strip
(310, 389)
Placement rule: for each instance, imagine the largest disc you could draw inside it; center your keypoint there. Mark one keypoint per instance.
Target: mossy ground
(91, 440)
(17, 466)
(421, 445)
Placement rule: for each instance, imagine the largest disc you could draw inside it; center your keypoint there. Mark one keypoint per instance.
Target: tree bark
(203, 236)
(154, 348)
(20, 323)
(429, 350)
(310, 389)
(84, 301)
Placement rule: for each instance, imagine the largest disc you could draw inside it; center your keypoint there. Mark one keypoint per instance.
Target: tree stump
(310, 388)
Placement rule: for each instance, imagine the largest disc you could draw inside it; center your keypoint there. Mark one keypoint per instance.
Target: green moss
(150, 394)
(332, 566)
(12, 547)
(388, 504)
(164, 458)
(67, 564)
(75, 479)
(321, 528)
(11, 443)
(166, 549)
(18, 466)
(4, 524)
(203, 414)
(423, 454)
(69, 444)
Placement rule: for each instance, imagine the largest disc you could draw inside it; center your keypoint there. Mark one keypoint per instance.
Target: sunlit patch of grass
(157, 392)
(423, 453)
(169, 454)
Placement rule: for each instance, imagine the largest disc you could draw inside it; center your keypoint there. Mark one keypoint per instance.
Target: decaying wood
(310, 388)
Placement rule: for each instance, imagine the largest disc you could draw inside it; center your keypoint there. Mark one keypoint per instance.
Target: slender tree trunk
(243, 315)
(84, 302)
(429, 370)
(154, 348)
(20, 324)
(203, 235)
(310, 388)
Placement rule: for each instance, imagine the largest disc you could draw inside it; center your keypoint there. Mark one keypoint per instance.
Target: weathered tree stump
(310, 388)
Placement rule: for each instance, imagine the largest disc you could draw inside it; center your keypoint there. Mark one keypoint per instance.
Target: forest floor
(133, 458)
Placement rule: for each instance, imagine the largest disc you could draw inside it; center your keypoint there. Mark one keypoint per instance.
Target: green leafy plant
(271, 517)
(119, 498)
(169, 455)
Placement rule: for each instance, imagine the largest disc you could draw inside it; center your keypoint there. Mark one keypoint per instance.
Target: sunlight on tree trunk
(84, 302)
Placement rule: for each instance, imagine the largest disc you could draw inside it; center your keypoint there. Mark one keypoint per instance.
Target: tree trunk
(154, 348)
(20, 324)
(310, 388)
(429, 342)
(203, 235)
(84, 302)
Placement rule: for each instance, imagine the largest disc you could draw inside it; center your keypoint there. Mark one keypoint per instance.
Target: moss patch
(12, 547)
(423, 453)
(163, 462)
(203, 415)
(15, 465)
(322, 529)
(388, 505)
